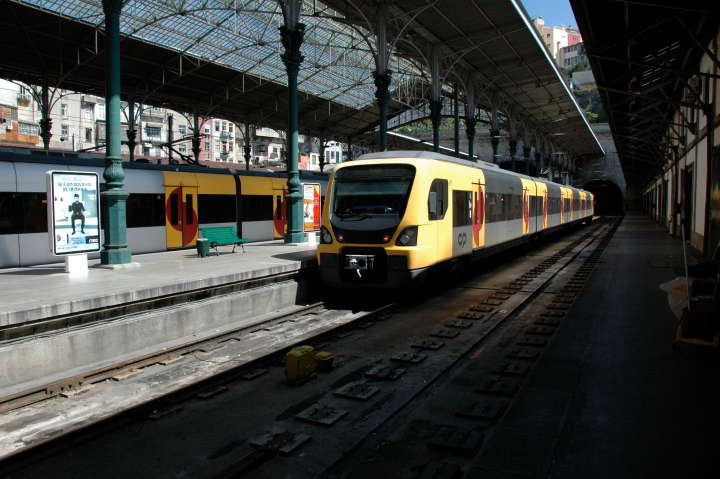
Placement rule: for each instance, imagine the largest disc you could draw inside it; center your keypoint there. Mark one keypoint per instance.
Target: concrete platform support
(78, 350)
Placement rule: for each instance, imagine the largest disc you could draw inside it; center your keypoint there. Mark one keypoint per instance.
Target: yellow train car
(391, 216)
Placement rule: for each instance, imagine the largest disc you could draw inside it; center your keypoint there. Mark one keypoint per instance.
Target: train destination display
(73, 212)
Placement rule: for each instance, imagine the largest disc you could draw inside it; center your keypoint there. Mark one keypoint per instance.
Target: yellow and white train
(166, 207)
(392, 216)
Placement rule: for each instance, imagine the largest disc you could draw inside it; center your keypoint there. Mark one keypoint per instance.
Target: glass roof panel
(243, 35)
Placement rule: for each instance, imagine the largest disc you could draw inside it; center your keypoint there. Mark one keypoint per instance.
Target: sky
(555, 12)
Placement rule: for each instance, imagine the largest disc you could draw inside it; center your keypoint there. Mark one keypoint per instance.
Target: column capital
(112, 6)
(292, 40)
(382, 85)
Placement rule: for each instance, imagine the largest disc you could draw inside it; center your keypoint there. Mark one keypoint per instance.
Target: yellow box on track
(300, 364)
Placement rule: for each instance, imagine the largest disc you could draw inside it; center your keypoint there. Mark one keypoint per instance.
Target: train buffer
(221, 236)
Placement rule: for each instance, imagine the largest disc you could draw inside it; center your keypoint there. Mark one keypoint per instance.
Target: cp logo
(462, 239)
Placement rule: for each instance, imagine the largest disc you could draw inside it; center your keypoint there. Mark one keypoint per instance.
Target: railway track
(332, 425)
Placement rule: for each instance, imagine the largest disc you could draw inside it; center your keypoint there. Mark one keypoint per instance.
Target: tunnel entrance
(609, 199)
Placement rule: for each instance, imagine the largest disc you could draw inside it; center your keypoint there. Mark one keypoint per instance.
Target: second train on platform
(392, 216)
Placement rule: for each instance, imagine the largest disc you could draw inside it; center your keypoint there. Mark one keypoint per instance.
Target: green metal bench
(221, 236)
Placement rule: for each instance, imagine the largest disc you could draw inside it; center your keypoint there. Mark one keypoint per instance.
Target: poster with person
(73, 212)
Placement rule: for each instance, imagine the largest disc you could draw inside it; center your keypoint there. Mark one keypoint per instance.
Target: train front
(369, 237)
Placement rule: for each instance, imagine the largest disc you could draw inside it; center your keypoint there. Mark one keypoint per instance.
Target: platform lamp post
(292, 34)
(115, 250)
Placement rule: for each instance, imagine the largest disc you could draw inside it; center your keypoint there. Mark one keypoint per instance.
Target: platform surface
(38, 292)
(609, 398)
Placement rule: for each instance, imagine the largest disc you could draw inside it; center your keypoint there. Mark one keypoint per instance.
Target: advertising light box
(73, 212)
(311, 207)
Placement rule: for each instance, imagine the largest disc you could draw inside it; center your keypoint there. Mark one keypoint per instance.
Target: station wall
(681, 189)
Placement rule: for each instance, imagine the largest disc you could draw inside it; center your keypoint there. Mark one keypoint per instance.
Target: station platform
(55, 327)
(35, 293)
(609, 397)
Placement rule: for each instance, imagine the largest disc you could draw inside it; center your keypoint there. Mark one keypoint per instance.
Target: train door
(462, 222)
(479, 215)
(279, 210)
(181, 216)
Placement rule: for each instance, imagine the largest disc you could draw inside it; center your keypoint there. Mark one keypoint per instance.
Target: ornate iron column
(196, 138)
(382, 93)
(435, 96)
(170, 125)
(246, 146)
(457, 120)
(382, 75)
(495, 142)
(526, 155)
(470, 119)
(131, 131)
(321, 154)
(470, 123)
(436, 117)
(115, 250)
(45, 121)
(292, 34)
(513, 151)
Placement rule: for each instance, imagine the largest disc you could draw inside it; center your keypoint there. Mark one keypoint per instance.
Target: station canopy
(222, 58)
(645, 56)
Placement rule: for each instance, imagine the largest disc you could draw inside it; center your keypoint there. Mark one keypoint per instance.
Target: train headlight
(408, 237)
(325, 236)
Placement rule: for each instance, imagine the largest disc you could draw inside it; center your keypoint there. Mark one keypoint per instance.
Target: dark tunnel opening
(609, 199)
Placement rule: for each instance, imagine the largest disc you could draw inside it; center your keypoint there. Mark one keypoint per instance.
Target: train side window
(438, 199)
(174, 211)
(216, 209)
(145, 209)
(257, 208)
(22, 212)
(34, 211)
(9, 217)
(462, 208)
(188, 209)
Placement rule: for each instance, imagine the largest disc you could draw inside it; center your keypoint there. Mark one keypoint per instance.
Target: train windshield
(365, 192)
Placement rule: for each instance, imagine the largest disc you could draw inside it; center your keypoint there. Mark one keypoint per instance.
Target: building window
(28, 129)
(207, 146)
(182, 130)
(182, 149)
(88, 112)
(207, 130)
(88, 134)
(152, 131)
(64, 110)
(217, 125)
(146, 151)
(230, 127)
(64, 130)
